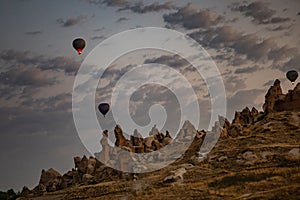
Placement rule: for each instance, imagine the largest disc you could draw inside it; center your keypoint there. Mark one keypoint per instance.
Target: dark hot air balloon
(103, 108)
(292, 75)
(79, 45)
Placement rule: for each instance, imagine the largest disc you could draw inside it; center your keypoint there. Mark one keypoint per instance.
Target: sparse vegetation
(238, 179)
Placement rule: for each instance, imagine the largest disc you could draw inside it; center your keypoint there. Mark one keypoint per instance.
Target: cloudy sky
(251, 42)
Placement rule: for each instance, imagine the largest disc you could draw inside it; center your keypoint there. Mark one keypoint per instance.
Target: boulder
(249, 157)
(175, 176)
(295, 152)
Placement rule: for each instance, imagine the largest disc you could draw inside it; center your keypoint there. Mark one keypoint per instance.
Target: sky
(252, 43)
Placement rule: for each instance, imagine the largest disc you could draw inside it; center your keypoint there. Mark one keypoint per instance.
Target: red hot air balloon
(79, 45)
(103, 108)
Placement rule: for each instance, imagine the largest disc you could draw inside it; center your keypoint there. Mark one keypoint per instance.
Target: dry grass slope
(261, 164)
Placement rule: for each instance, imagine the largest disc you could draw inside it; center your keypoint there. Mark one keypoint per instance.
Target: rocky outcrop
(221, 127)
(276, 101)
(91, 170)
(225, 129)
(273, 94)
(137, 142)
(121, 141)
(187, 132)
(175, 176)
(50, 181)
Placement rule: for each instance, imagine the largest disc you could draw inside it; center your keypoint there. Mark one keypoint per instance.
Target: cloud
(268, 83)
(112, 3)
(23, 76)
(61, 102)
(33, 33)
(255, 51)
(293, 63)
(98, 37)
(234, 83)
(30, 136)
(174, 61)
(136, 7)
(238, 60)
(115, 2)
(246, 70)
(122, 19)
(276, 20)
(68, 65)
(99, 29)
(190, 18)
(19, 57)
(260, 13)
(243, 98)
(224, 35)
(16, 58)
(139, 7)
(151, 94)
(282, 53)
(280, 28)
(71, 21)
(228, 38)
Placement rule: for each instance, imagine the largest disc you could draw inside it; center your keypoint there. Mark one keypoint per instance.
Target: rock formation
(187, 132)
(276, 101)
(50, 181)
(241, 119)
(91, 170)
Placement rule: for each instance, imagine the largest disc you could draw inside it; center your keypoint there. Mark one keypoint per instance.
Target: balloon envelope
(79, 45)
(103, 108)
(292, 75)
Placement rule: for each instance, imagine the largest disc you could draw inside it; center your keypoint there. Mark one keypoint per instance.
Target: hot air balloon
(292, 75)
(103, 108)
(79, 45)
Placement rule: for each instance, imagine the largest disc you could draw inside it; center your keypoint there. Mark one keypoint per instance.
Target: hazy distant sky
(252, 43)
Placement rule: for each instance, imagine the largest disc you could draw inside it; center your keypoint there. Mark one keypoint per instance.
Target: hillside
(256, 157)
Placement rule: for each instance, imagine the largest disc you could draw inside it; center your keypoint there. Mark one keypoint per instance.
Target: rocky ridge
(249, 136)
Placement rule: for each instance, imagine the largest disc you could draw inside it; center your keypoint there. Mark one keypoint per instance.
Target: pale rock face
(154, 131)
(187, 132)
(136, 139)
(106, 150)
(175, 176)
(295, 152)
